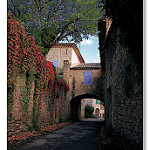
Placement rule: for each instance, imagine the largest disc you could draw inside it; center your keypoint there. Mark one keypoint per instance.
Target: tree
(99, 88)
(89, 111)
(50, 21)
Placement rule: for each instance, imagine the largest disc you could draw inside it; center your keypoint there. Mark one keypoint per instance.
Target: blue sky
(89, 49)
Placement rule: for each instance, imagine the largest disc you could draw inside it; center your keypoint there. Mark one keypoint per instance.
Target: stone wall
(78, 90)
(51, 109)
(62, 54)
(123, 90)
(59, 54)
(76, 82)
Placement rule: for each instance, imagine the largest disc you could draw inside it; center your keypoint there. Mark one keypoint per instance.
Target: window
(55, 63)
(87, 77)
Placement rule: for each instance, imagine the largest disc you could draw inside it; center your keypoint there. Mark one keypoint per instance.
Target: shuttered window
(55, 63)
(87, 77)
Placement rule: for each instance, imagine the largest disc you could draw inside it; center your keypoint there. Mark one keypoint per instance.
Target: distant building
(64, 52)
(99, 111)
(80, 76)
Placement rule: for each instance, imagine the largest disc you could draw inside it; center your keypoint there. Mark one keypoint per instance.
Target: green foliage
(99, 89)
(103, 115)
(29, 80)
(89, 111)
(55, 20)
(10, 100)
(35, 116)
(36, 106)
(60, 120)
(30, 128)
(26, 90)
(93, 116)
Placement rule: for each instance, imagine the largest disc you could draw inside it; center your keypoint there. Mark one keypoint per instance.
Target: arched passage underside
(76, 101)
(78, 98)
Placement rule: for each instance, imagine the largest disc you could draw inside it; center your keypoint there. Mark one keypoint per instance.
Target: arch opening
(80, 103)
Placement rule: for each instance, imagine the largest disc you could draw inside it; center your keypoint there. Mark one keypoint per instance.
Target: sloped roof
(86, 66)
(75, 48)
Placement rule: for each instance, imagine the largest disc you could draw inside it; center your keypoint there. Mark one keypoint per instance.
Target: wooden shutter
(55, 63)
(87, 77)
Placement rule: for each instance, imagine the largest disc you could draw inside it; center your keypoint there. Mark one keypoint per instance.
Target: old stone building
(98, 106)
(123, 84)
(80, 76)
(64, 52)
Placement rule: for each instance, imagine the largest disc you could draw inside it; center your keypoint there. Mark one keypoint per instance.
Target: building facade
(70, 65)
(80, 76)
(98, 106)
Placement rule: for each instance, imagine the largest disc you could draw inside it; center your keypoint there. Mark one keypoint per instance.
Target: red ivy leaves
(24, 55)
(19, 138)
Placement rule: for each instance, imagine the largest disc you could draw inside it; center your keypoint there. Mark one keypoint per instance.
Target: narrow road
(78, 136)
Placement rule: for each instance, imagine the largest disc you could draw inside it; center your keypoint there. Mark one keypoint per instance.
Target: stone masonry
(123, 88)
(50, 112)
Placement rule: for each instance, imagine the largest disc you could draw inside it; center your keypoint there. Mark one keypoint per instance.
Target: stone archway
(76, 102)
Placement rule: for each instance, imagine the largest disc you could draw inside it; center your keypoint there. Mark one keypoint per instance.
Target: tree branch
(47, 43)
(66, 26)
(59, 5)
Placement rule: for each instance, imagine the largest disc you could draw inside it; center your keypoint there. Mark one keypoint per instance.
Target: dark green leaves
(51, 21)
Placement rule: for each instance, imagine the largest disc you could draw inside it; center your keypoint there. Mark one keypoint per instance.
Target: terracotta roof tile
(87, 66)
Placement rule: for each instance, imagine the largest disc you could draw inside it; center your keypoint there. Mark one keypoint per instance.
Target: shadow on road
(78, 136)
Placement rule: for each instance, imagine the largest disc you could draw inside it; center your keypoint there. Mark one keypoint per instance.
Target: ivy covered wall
(34, 87)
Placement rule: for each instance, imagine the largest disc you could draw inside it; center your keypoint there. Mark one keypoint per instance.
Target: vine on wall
(25, 59)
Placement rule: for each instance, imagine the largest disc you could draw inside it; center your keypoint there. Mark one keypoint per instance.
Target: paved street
(78, 136)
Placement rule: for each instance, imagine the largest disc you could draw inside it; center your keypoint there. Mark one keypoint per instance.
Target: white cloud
(87, 42)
